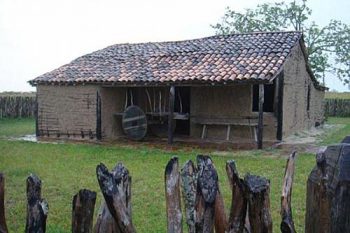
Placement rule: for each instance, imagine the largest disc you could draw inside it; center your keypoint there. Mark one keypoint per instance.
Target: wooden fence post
(287, 224)
(3, 226)
(173, 198)
(83, 211)
(189, 185)
(37, 208)
(113, 191)
(258, 189)
(238, 201)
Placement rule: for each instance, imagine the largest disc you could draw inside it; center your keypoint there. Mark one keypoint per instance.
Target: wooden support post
(113, 190)
(37, 208)
(287, 224)
(207, 189)
(220, 219)
(258, 189)
(36, 115)
(83, 211)
(189, 185)
(261, 116)
(238, 202)
(172, 196)
(171, 114)
(98, 117)
(3, 226)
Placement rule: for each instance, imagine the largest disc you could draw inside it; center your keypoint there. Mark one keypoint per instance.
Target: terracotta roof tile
(255, 56)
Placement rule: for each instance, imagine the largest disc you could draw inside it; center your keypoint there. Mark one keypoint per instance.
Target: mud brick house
(236, 88)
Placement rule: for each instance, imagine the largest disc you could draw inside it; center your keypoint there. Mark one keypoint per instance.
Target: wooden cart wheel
(134, 123)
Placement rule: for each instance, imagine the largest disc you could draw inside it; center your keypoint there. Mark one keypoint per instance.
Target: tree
(328, 47)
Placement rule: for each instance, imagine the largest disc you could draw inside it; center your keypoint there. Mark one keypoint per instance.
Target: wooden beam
(3, 226)
(261, 115)
(98, 117)
(279, 114)
(173, 198)
(171, 114)
(36, 114)
(83, 211)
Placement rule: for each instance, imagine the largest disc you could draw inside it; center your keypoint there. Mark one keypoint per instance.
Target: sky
(38, 36)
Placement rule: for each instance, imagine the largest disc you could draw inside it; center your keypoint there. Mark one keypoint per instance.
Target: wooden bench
(251, 122)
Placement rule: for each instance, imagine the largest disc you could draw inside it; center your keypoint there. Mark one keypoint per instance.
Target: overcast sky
(38, 36)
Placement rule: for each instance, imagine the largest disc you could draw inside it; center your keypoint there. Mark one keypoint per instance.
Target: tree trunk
(3, 226)
(238, 202)
(287, 224)
(258, 189)
(189, 185)
(172, 196)
(83, 211)
(207, 189)
(116, 198)
(37, 208)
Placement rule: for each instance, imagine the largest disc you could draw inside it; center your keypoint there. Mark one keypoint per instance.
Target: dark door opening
(182, 106)
(269, 98)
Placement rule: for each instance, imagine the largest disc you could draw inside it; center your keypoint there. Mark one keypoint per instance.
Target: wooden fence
(337, 107)
(17, 105)
(327, 205)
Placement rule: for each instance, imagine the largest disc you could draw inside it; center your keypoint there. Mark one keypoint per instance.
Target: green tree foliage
(328, 47)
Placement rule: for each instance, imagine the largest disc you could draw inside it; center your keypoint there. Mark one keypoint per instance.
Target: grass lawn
(66, 168)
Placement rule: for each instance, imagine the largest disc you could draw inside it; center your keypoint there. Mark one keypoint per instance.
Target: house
(242, 87)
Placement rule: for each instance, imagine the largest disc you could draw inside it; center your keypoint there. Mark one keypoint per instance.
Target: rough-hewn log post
(189, 185)
(98, 117)
(340, 212)
(238, 202)
(115, 197)
(207, 189)
(171, 114)
(220, 219)
(287, 224)
(83, 211)
(37, 208)
(3, 226)
(258, 189)
(172, 196)
(261, 116)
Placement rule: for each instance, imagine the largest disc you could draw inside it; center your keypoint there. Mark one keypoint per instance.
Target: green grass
(66, 168)
(337, 134)
(16, 127)
(337, 95)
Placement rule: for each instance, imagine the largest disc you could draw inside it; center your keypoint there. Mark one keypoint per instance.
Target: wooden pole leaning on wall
(261, 116)
(114, 187)
(83, 211)
(287, 224)
(236, 223)
(3, 226)
(171, 114)
(172, 196)
(37, 208)
(258, 195)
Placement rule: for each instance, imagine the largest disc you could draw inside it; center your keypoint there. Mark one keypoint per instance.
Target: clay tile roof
(235, 57)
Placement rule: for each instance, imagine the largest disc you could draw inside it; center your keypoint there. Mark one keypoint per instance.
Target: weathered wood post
(238, 202)
(172, 196)
(37, 208)
(258, 189)
(207, 189)
(83, 211)
(98, 117)
(171, 114)
(287, 224)
(113, 191)
(189, 186)
(3, 226)
(261, 116)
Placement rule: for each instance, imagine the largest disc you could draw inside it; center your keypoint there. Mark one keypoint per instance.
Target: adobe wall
(67, 111)
(296, 82)
(227, 102)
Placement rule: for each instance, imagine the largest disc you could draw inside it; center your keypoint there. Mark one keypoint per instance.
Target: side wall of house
(299, 93)
(67, 111)
(229, 102)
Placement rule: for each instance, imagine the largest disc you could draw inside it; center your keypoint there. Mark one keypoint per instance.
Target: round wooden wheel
(134, 123)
